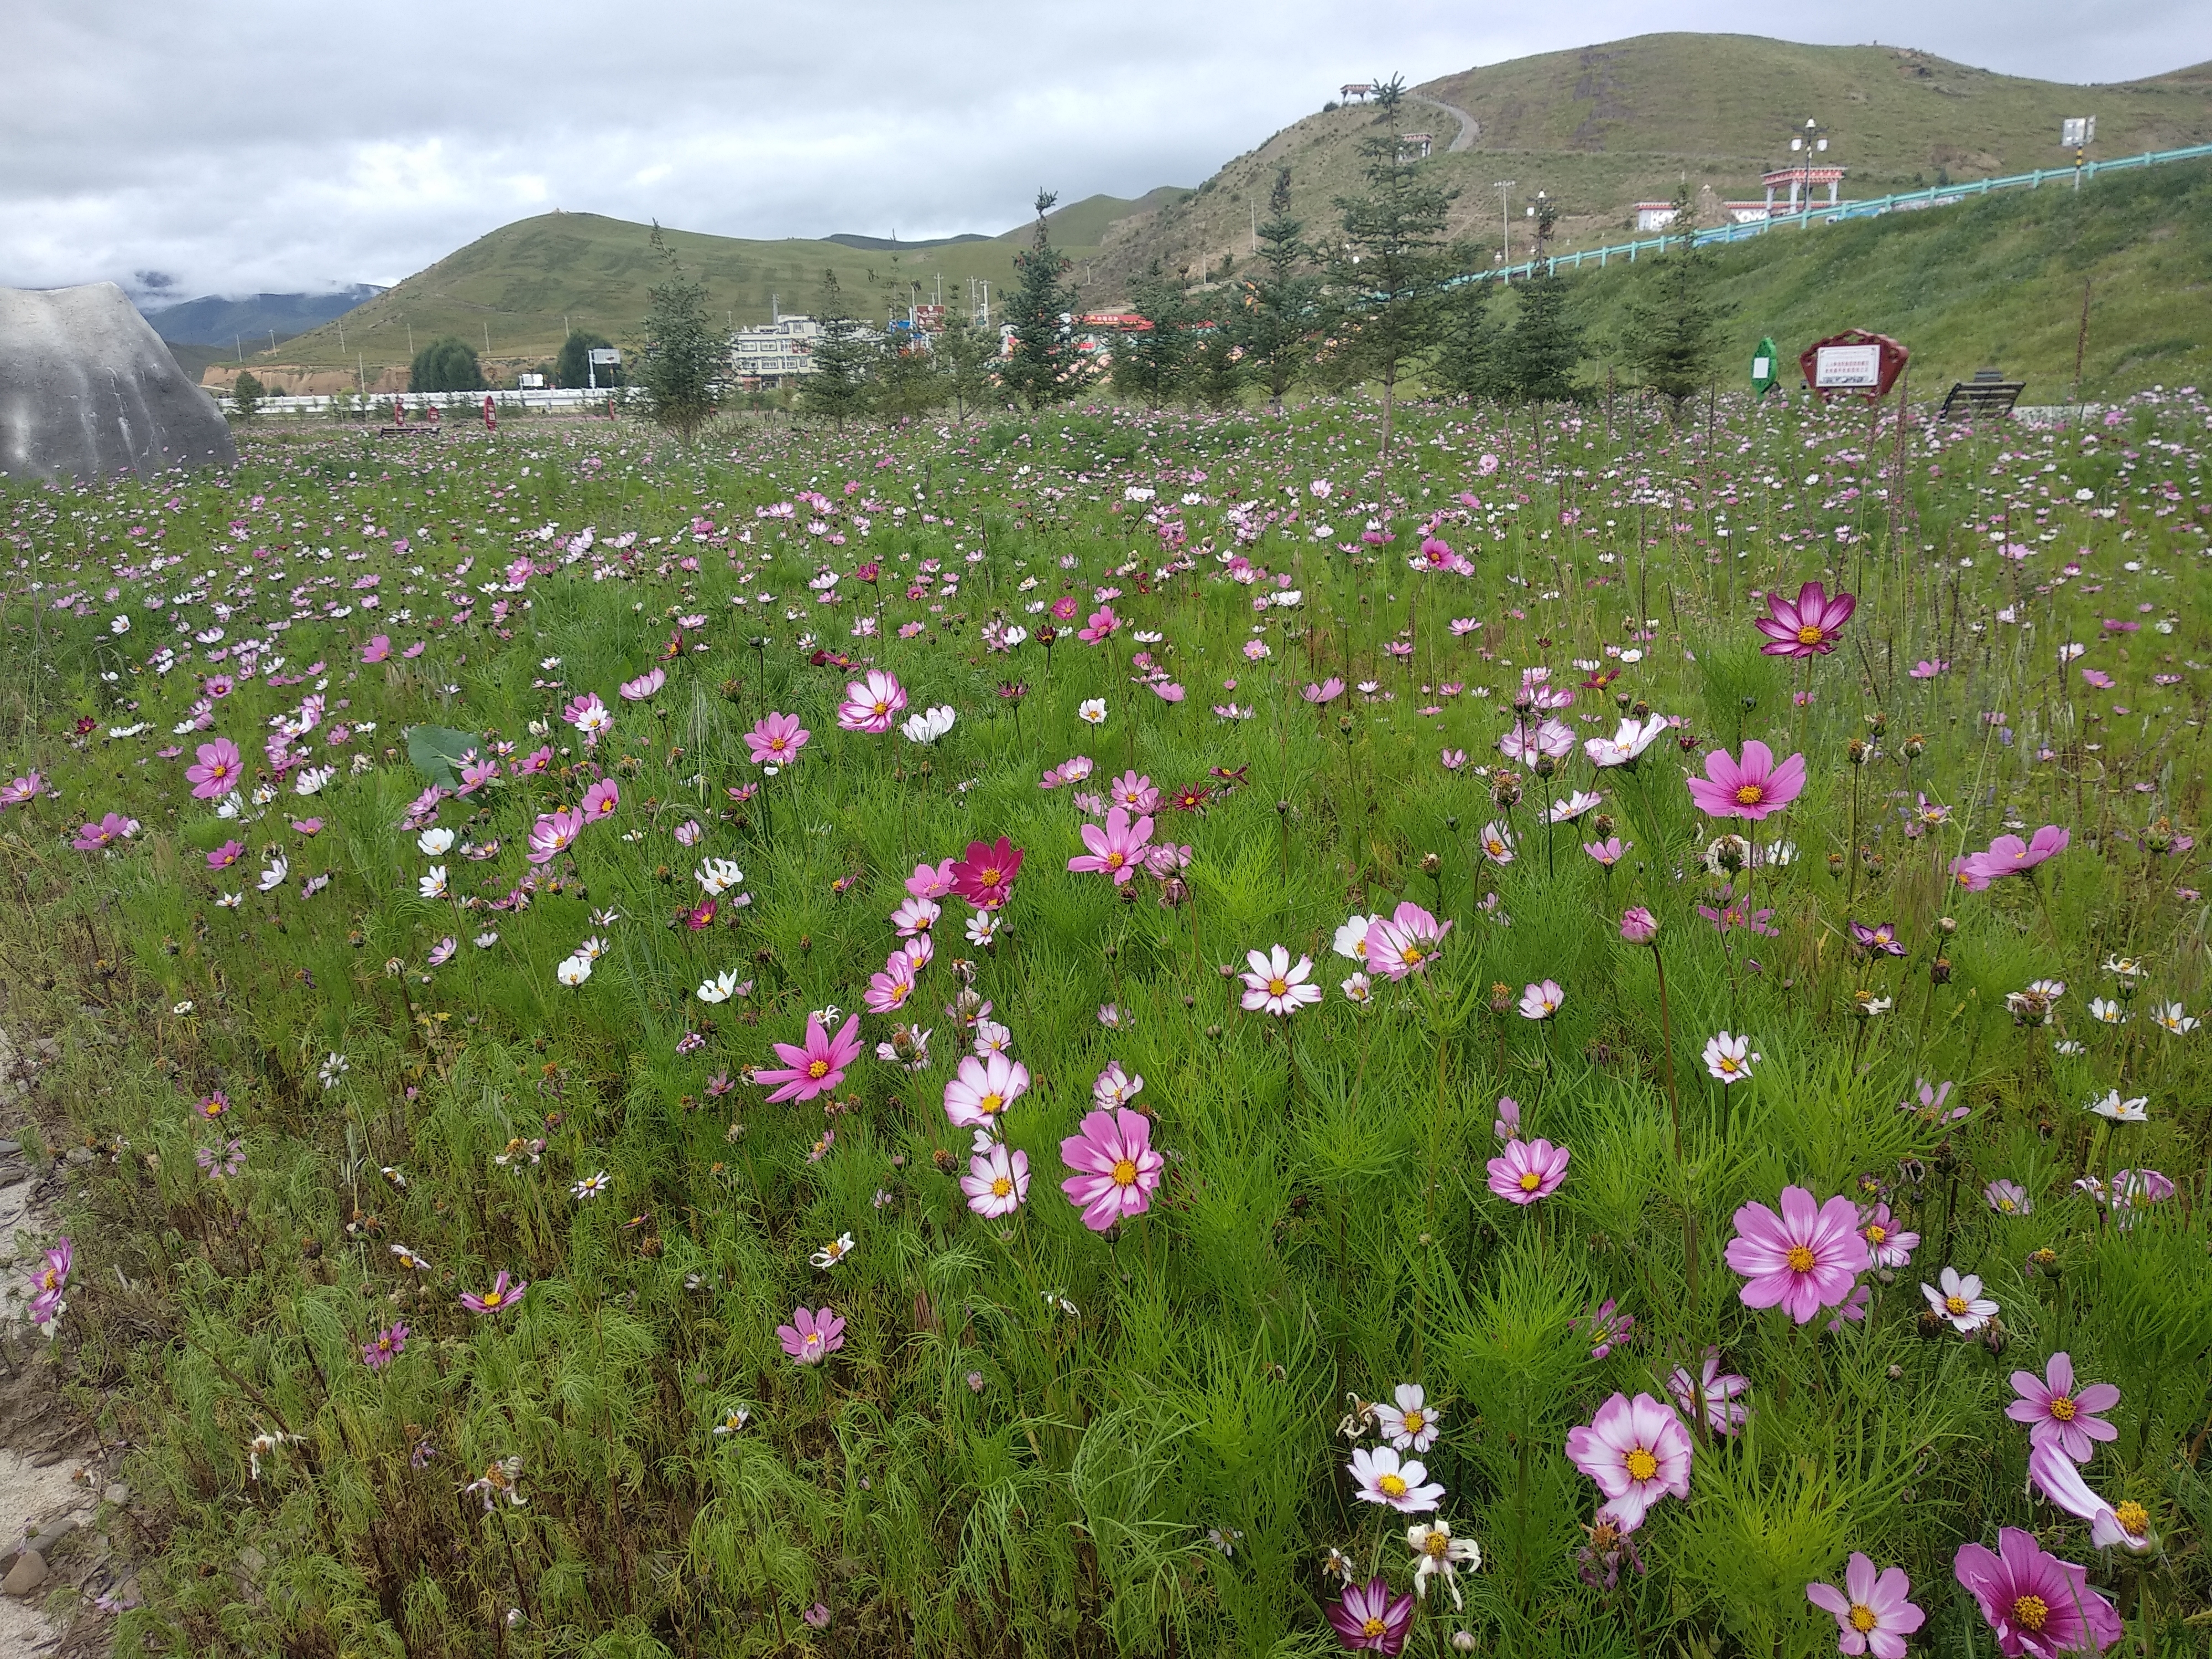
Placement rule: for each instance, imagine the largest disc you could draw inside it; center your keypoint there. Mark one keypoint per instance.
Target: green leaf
(436, 751)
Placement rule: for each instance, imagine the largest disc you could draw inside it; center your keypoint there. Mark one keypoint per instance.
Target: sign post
(1853, 364)
(2077, 133)
(606, 355)
(1766, 375)
(491, 421)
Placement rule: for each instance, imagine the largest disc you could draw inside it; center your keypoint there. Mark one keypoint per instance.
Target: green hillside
(1992, 282)
(1604, 126)
(514, 289)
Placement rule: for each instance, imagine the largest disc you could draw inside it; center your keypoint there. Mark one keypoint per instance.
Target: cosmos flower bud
(1638, 926)
(1939, 971)
(1603, 826)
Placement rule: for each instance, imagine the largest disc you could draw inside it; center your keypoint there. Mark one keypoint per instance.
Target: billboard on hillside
(1854, 363)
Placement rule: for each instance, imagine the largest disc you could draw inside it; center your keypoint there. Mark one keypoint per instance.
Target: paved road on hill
(1469, 128)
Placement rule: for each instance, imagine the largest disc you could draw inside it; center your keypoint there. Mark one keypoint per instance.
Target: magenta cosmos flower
(814, 1067)
(503, 1294)
(383, 1347)
(776, 739)
(2039, 1606)
(217, 770)
(106, 832)
(600, 800)
(1637, 1451)
(873, 704)
(2008, 855)
(554, 834)
(1369, 1619)
(2058, 1413)
(1749, 788)
(1403, 943)
(1116, 1168)
(1528, 1170)
(984, 875)
(1117, 850)
(812, 1335)
(1804, 1259)
(1872, 1615)
(1809, 627)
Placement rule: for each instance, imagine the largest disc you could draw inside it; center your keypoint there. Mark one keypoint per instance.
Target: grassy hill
(1996, 281)
(511, 292)
(1601, 127)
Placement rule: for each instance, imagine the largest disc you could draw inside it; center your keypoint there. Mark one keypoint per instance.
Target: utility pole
(1505, 221)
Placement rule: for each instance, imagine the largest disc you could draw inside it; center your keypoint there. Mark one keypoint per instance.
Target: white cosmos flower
(718, 876)
(435, 843)
(1435, 1551)
(2122, 1111)
(720, 988)
(1411, 1424)
(1351, 937)
(928, 725)
(575, 970)
(433, 885)
(1729, 1058)
(834, 1252)
(1630, 740)
(2171, 1016)
(1091, 711)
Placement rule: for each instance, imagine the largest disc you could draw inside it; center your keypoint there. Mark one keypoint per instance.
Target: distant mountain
(218, 321)
(895, 245)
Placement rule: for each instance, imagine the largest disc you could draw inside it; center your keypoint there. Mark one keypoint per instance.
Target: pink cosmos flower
(1369, 1619)
(996, 1182)
(1872, 1613)
(873, 704)
(2127, 1524)
(1541, 1000)
(984, 876)
(1381, 1477)
(644, 685)
(813, 1335)
(1528, 1170)
(502, 1295)
(1325, 692)
(217, 770)
(1637, 1451)
(377, 649)
(1117, 1169)
(1960, 1301)
(1404, 943)
(21, 791)
(776, 739)
(814, 1067)
(1750, 789)
(601, 800)
(1890, 1245)
(1137, 793)
(383, 1347)
(2008, 855)
(915, 916)
(983, 1088)
(2040, 1607)
(1807, 628)
(1718, 1391)
(1102, 622)
(1803, 1260)
(554, 834)
(1272, 984)
(2058, 1414)
(931, 881)
(1506, 1125)
(888, 990)
(225, 855)
(106, 832)
(1117, 850)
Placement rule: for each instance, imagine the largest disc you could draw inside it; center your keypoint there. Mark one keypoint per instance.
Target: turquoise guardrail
(1908, 202)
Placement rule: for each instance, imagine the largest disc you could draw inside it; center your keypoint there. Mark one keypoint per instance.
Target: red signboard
(1854, 363)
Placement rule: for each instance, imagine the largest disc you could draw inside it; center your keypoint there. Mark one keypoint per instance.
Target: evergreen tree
(1471, 360)
(965, 352)
(246, 394)
(1044, 368)
(1215, 374)
(1675, 338)
(1149, 364)
(1384, 283)
(573, 368)
(685, 356)
(445, 364)
(1389, 95)
(838, 384)
(907, 380)
(1546, 342)
(1279, 303)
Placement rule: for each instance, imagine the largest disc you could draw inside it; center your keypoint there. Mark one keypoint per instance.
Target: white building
(770, 353)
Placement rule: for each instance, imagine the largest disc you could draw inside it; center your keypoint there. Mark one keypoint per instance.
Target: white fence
(450, 404)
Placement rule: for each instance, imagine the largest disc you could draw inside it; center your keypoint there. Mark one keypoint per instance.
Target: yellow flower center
(1642, 1465)
(813, 1340)
(493, 1298)
(1372, 1627)
(1125, 1172)
(1728, 1063)
(1861, 1618)
(1800, 1259)
(1393, 1486)
(1277, 987)
(988, 876)
(1113, 860)
(2030, 1612)
(1749, 795)
(1954, 1305)
(882, 706)
(1530, 1181)
(1875, 1233)
(1411, 956)
(1415, 1420)
(990, 1105)
(1437, 1545)
(818, 1068)
(2062, 1407)
(2008, 1206)
(1808, 634)
(2134, 1518)
(1001, 1186)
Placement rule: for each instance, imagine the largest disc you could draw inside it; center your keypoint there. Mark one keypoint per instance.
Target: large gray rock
(87, 388)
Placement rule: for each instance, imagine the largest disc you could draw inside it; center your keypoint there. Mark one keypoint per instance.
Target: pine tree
(684, 356)
(1675, 338)
(965, 353)
(1546, 342)
(245, 395)
(1150, 364)
(1215, 372)
(1383, 285)
(838, 386)
(447, 364)
(1043, 368)
(1471, 360)
(1280, 308)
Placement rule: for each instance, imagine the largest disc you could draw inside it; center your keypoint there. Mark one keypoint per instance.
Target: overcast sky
(243, 145)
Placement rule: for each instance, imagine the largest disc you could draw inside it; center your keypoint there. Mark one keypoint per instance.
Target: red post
(491, 421)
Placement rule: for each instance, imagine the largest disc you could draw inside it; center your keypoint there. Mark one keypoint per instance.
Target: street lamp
(1505, 218)
(1806, 143)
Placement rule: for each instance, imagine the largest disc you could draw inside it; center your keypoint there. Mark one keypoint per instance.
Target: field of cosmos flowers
(1125, 1034)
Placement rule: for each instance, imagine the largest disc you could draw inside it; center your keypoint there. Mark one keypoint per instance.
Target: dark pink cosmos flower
(1637, 1451)
(776, 739)
(1804, 1259)
(1872, 1613)
(601, 800)
(502, 1295)
(985, 875)
(814, 1067)
(2058, 1413)
(1750, 788)
(1716, 1389)
(1807, 628)
(225, 856)
(1117, 850)
(1116, 1168)
(383, 1347)
(1890, 1245)
(216, 771)
(1369, 1619)
(2040, 1607)
(1528, 1170)
(2008, 855)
